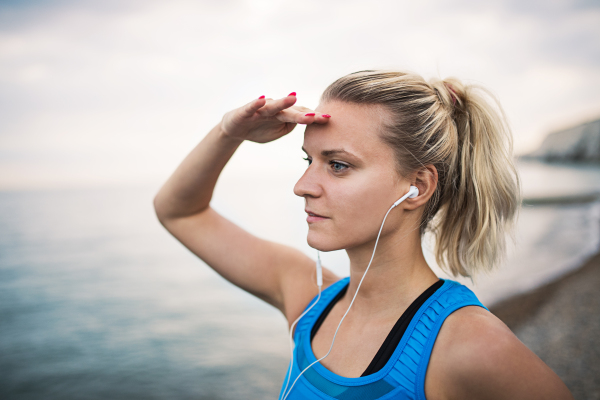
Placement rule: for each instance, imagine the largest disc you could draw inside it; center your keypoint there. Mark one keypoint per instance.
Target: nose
(308, 185)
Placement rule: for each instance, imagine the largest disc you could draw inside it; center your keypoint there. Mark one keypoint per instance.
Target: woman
(409, 335)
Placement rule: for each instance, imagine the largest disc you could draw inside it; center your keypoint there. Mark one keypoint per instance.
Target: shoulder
(477, 356)
(300, 288)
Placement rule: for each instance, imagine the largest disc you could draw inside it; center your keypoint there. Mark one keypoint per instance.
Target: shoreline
(577, 198)
(560, 323)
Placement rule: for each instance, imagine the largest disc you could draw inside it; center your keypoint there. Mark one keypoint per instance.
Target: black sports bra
(393, 338)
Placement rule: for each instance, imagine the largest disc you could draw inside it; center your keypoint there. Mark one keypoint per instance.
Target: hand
(264, 120)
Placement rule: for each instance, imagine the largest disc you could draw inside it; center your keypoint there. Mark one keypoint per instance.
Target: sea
(99, 301)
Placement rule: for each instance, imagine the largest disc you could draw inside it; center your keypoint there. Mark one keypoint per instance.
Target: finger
(249, 109)
(275, 106)
(295, 115)
(306, 118)
(321, 118)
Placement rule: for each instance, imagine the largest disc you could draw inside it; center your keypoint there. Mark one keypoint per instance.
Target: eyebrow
(326, 153)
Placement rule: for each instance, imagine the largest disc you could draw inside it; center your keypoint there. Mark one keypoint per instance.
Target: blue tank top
(403, 376)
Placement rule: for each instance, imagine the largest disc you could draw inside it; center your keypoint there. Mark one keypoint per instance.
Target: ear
(426, 180)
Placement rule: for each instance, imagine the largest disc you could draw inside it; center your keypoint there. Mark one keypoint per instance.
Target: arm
(263, 268)
(476, 356)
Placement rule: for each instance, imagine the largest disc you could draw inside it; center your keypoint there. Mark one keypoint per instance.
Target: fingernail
(326, 115)
(261, 97)
(292, 94)
(309, 115)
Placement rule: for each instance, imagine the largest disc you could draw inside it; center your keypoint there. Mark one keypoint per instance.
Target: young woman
(408, 334)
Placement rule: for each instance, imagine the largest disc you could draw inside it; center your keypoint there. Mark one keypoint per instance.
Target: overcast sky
(113, 92)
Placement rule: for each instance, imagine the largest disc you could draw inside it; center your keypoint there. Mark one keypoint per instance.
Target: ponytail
(483, 198)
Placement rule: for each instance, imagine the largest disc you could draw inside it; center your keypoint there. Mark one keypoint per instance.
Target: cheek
(365, 208)
(357, 209)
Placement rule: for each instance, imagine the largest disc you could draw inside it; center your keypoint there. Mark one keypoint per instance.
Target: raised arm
(275, 273)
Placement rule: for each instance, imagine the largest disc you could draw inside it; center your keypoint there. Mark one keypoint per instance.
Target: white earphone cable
(351, 303)
(298, 319)
(414, 192)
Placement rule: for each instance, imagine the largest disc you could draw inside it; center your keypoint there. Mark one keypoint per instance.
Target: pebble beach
(560, 323)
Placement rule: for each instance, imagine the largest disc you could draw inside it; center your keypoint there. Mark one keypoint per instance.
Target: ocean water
(98, 301)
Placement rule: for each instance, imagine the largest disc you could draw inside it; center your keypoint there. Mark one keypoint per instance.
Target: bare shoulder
(300, 287)
(476, 356)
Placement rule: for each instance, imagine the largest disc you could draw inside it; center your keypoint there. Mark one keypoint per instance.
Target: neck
(398, 273)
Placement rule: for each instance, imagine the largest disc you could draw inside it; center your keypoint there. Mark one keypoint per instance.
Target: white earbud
(412, 193)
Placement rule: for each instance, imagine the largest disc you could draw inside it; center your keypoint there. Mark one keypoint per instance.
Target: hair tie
(452, 93)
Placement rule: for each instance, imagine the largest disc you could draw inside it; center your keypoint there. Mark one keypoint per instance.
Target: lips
(314, 217)
(313, 214)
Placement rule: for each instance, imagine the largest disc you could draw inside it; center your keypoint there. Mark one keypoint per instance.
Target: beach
(560, 323)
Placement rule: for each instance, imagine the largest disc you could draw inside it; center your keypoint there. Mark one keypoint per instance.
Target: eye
(308, 159)
(337, 166)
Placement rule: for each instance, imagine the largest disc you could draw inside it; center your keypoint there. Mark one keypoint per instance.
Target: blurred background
(101, 100)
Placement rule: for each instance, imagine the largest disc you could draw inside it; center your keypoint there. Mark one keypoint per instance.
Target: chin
(323, 243)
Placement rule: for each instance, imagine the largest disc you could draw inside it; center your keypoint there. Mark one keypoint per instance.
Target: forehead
(354, 127)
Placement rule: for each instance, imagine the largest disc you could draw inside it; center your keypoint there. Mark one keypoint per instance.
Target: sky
(118, 92)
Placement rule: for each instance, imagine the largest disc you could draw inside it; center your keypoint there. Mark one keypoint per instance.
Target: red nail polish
(261, 97)
(326, 115)
(292, 94)
(310, 115)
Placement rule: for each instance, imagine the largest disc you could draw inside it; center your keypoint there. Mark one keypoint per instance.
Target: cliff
(577, 144)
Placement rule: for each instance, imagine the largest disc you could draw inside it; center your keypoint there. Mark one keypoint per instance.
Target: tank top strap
(410, 368)
(327, 295)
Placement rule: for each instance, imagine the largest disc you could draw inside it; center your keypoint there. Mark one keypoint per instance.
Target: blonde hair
(453, 127)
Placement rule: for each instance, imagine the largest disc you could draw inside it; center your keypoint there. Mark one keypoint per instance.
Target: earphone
(412, 193)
